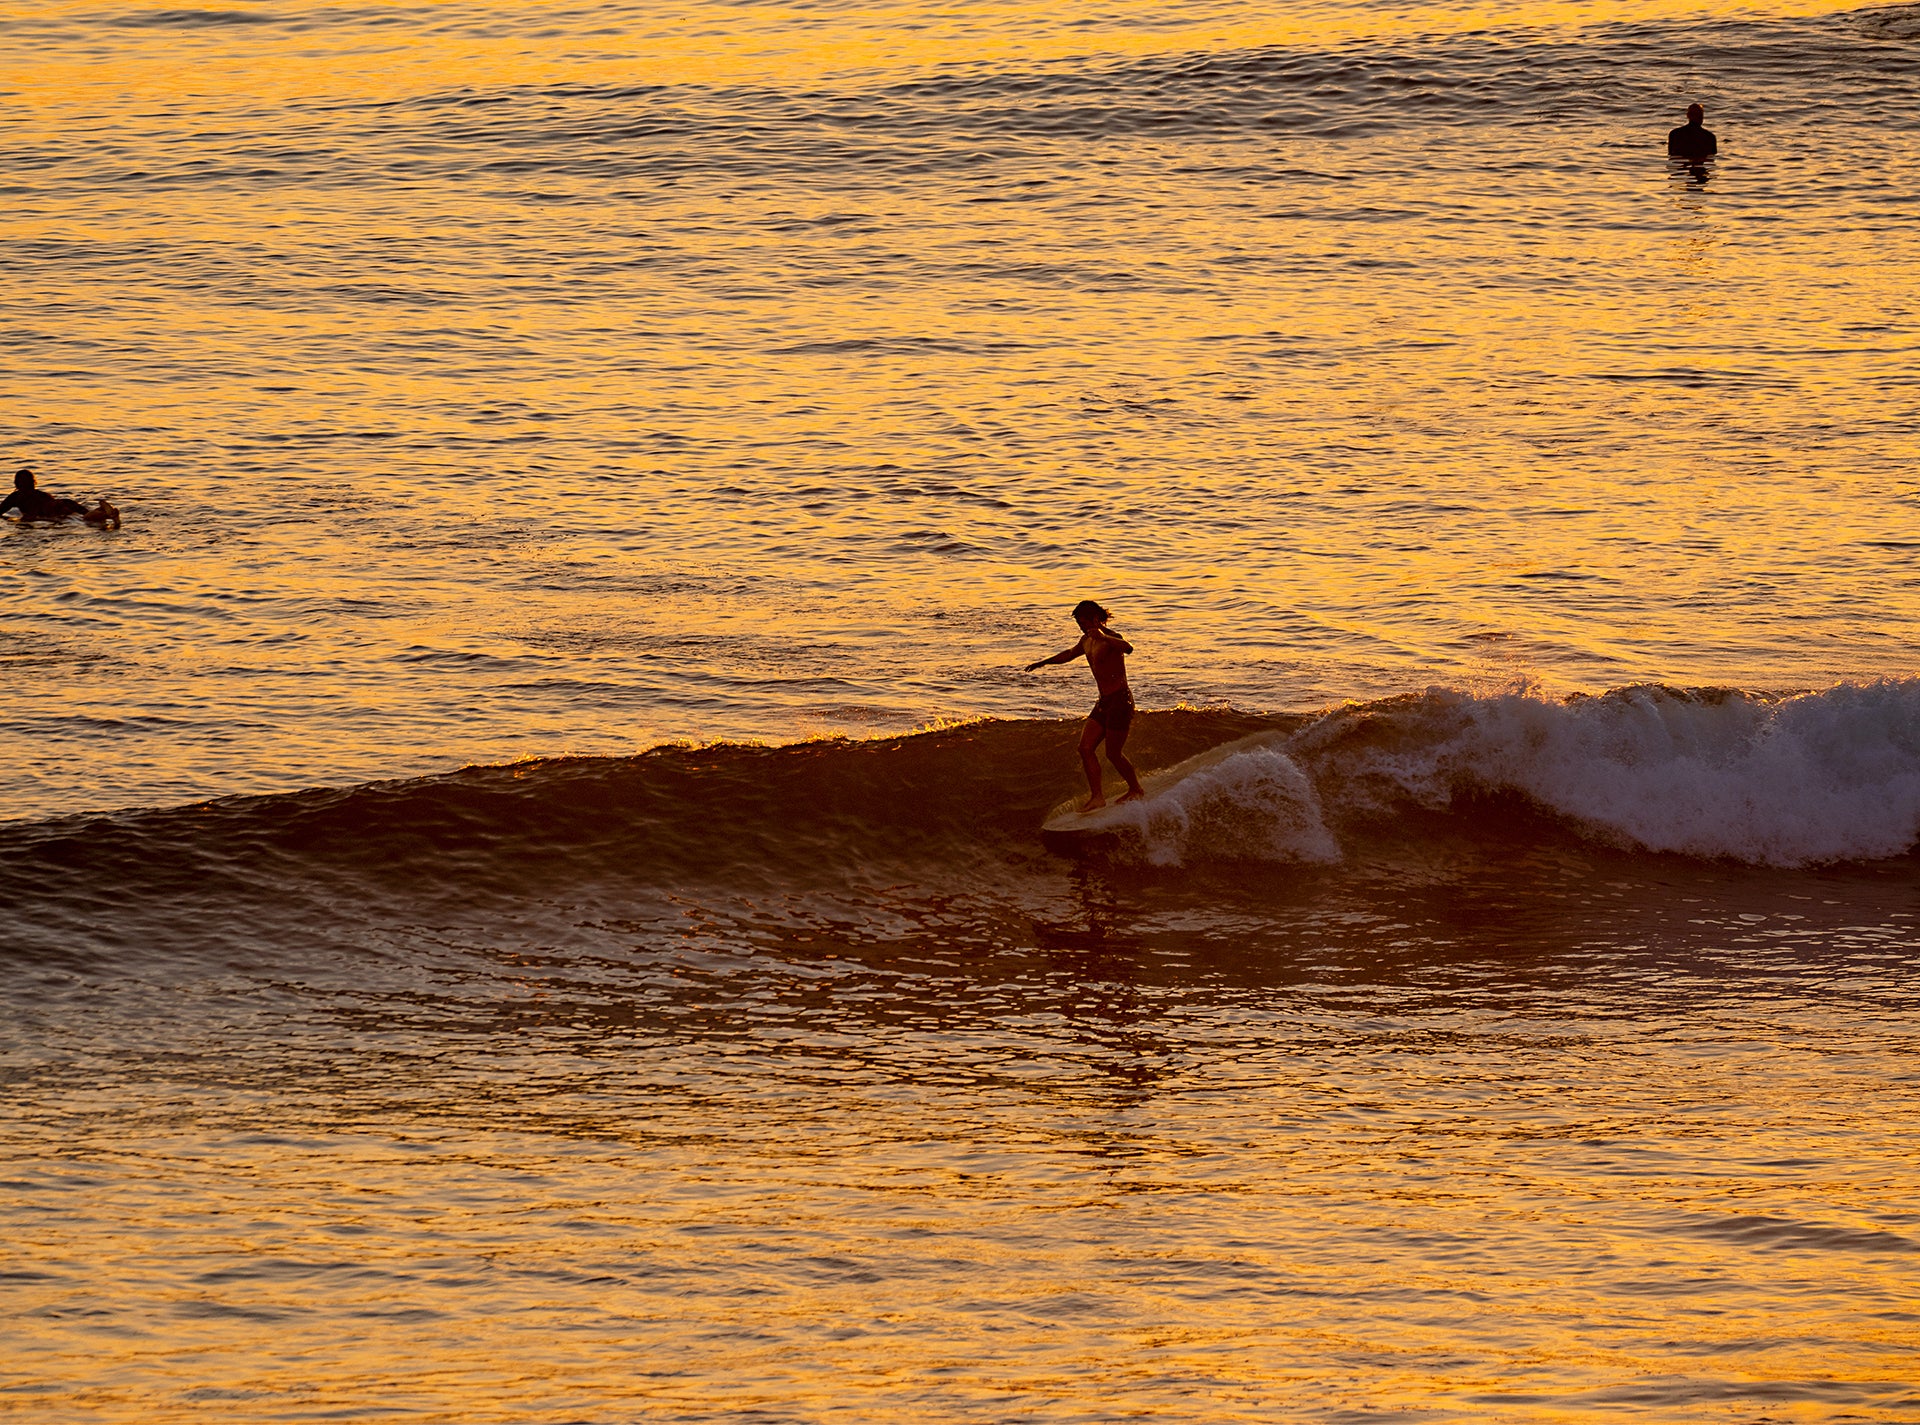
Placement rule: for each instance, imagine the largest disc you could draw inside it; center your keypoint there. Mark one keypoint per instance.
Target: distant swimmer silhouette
(33, 503)
(1690, 140)
(1106, 653)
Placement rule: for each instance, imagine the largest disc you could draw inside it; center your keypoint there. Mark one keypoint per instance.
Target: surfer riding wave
(1112, 716)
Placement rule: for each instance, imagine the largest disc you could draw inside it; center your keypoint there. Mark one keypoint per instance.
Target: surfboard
(1068, 829)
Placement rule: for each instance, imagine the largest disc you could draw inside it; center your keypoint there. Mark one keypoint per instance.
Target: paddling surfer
(1106, 653)
(33, 503)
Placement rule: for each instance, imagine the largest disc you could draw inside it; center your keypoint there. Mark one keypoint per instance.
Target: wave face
(1714, 774)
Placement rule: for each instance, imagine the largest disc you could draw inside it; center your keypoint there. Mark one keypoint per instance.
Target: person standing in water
(1690, 140)
(1106, 653)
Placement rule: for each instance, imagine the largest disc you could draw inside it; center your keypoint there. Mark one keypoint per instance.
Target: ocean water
(529, 889)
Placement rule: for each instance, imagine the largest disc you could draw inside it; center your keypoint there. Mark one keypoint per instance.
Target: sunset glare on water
(542, 888)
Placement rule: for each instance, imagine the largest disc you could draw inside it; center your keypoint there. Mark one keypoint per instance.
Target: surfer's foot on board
(1132, 796)
(1094, 804)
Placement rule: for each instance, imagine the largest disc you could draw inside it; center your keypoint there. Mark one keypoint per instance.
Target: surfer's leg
(1089, 741)
(1117, 739)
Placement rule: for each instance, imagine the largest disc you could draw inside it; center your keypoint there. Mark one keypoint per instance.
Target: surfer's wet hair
(1087, 608)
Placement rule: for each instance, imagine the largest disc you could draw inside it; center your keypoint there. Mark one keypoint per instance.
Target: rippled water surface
(1503, 1009)
(482, 384)
(1402, 1157)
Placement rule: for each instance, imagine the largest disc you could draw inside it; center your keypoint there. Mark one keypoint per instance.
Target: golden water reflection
(1195, 1205)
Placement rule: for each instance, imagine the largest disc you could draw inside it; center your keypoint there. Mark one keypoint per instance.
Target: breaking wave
(1716, 773)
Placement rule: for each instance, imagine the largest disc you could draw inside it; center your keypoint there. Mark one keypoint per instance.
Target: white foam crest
(1820, 777)
(1243, 802)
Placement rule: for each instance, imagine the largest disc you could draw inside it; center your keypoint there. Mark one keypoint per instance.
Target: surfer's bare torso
(1106, 653)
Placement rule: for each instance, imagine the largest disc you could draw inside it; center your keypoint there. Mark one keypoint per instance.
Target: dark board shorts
(1114, 711)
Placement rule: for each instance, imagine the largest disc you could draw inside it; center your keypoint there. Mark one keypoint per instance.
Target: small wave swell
(1715, 774)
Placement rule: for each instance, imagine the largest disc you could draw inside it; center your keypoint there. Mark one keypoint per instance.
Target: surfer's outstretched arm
(1065, 656)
